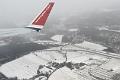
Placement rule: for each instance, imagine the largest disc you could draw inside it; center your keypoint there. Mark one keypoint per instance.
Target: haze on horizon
(21, 12)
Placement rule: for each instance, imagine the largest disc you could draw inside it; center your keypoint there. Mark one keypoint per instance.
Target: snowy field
(92, 46)
(27, 66)
(113, 64)
(78, 57)
(66, 74)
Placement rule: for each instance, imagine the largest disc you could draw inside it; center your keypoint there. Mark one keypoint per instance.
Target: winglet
(41, 19)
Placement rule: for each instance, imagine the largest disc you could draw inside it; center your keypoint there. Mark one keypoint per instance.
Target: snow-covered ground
(73, 30)
(78, 57)
(66, 74)
(105, 28)
(92, 46)
(57, 38)
(26, 66)
(113, 64)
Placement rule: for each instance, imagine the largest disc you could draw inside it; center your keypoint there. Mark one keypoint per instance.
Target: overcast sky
(22, 11)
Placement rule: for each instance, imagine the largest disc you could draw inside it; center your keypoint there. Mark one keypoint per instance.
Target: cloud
(23, 11)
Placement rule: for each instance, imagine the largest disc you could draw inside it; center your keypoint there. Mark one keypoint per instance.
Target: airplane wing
(39, 22)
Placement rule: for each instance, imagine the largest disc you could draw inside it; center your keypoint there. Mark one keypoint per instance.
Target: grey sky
(24, 10)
